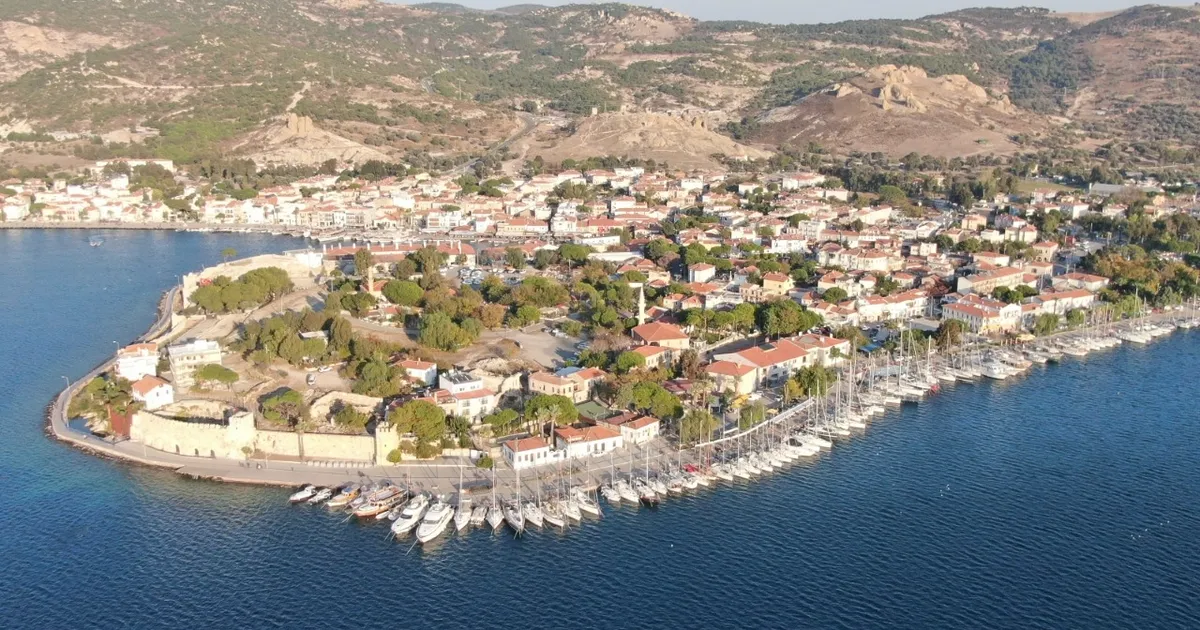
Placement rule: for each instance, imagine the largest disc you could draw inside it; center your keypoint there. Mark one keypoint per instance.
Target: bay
(1069, 498)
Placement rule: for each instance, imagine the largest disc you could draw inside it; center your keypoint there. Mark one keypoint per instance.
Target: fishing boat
(411, 515)
(343, 498)
(322, 495)
(435, 521)
(380, 501)
(588, 504)
(514, 516)
(303, 494)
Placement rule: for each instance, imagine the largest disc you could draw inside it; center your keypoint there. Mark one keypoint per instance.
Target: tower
(641, 316)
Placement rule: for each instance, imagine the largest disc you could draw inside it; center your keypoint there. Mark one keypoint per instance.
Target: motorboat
(479, 515)
(322, 495)
(533, 514)
(391, 514)
(435, 521)
(996, 370)
(303, 494)
(411, 515)
(588, 504)
(514, 516)
(462, 513)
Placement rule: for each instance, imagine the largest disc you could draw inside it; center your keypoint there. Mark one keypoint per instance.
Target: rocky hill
(194, 81)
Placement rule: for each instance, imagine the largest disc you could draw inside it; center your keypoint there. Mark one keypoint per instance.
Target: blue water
(1066, 499)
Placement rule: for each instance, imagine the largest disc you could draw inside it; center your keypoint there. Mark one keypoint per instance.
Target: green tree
(423, 420)
(514, 257)
(696, 425)
(350, 418)
(403, 292)
(1045, 324)
(286, 407)
(1076, 317)
(627, 361)
(214, 373)
(363, 261)
(834, 295)
(439, 331)
(560, 408)
(950, 333)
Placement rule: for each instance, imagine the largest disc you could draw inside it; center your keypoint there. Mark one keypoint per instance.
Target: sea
(1067, 498)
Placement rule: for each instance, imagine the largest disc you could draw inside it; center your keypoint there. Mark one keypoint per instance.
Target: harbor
(420, 509)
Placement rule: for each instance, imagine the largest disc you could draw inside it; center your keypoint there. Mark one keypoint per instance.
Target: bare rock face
(842, 90)
(299, 125)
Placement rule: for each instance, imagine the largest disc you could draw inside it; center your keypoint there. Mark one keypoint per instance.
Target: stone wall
(195, 438)
(317, 446)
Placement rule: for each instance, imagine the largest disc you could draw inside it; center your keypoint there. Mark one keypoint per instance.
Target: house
(464, 395)
(986, 282)
(772, 362)
(421, 372)
(732, 377)
(640, 430)
(527, 452)
(664, 335)
(552, 385)
(185, 358)
(1080, 281)
(137, 361)
(701, 272)
(590, 441)
(1045, 250)
(153, 392)
(777, 284)
(1062, 302)
(655, 356)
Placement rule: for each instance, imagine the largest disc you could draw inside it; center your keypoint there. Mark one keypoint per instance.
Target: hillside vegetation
(200, 80)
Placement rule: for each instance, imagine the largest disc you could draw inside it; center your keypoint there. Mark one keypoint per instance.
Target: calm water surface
(1066, 499)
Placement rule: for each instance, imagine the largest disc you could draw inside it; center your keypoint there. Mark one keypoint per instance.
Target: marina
(558, 500)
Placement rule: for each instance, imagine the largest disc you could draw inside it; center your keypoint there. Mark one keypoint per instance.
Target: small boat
(411, 515)
(321, 496)
(570, 508)
(95, 241)
(462, 514)
(514, 516)
(303, 494)
(479, 515)
(435, 521)
(675, 484)
(391, 514)
(533, 514)
(627, 492)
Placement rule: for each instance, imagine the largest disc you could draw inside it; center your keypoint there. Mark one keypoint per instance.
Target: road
(529, 122)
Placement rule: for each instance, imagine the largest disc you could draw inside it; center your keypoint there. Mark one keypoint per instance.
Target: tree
(359, 304)
(1045, 324)
(753, 414)
(892, 195)
(213, 373)
(439, 331)
(423, 420)
(853, 334)
(785, 317)
(950, 333)
(627, 361)
(814, 380)
(403, 292)
(656, 400)
(574, 253)
(696, 425)
(514, 257)
(363, 261)
(492, 315)
(228, 254)
(558, 408)
(528, 315)
(1076, 317)
(340, 334)
(350, 418)
(286, 407)
(834, 295)
(690, 366)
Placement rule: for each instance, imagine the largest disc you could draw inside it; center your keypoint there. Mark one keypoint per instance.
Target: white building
(137, 361)
(591, 441)
(641, 430)
(422, 372)
(153, 392)
(527, 453)
(189, 356)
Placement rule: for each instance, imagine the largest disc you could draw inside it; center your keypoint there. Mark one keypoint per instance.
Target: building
(728, 376)
(982, 315)
(664, 335)
(527, 452)
(777, 284)
(153, 392)
(771, 363)
(573, 383)
(986, 282)
(655, 356)
(591, 441)
(701, 272)
(823, 350)
(185, 358)
(137, 361)
(421, 372)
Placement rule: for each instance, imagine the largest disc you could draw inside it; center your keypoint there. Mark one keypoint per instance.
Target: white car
(325, 368)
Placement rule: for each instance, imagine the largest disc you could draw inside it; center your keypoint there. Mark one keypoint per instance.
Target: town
(599, 318)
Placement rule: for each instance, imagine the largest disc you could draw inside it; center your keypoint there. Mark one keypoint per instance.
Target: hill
(433, 82)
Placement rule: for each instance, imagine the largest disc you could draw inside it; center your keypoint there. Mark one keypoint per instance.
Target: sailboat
(462, 514)
(586, 503)
(513, 514)
(495, 515)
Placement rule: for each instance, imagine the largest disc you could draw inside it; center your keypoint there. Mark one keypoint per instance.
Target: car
(325, 368)
(311, 380)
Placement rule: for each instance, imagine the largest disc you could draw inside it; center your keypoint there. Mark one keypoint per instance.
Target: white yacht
(435, 521)
(411, 515)
(722, 472)
(996, 370)
(303, 494)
